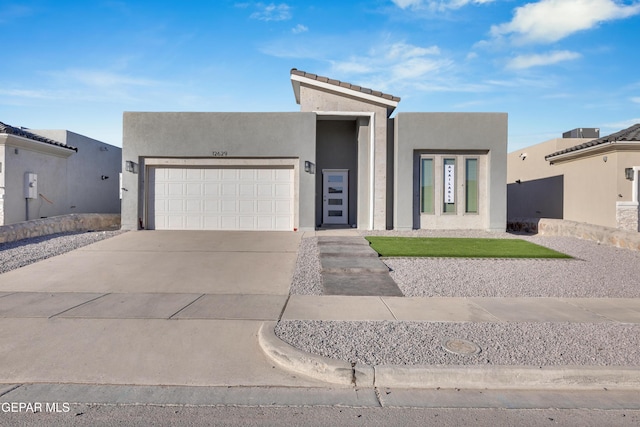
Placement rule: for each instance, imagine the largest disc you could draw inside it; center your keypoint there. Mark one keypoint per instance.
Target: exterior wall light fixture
(628, 173)
(131, 166)
(309, 167)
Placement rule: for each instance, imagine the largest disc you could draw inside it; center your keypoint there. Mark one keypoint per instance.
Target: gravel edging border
(446, 377)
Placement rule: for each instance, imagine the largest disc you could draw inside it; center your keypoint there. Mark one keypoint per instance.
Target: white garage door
(221, 199)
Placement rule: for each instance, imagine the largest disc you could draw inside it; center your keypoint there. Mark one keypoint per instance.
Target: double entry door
(335, 196)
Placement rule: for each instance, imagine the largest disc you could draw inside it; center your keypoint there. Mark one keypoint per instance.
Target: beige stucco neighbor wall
(59, 224)
(535, 188)
(591, 184)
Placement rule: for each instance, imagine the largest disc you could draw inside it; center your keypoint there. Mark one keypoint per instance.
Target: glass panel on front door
(335, 196)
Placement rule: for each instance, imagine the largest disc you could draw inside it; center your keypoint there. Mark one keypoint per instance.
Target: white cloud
(403, 4)
(272, 12)
(609, 128)
(539, 59)
(99, 78)
(32, 94)
(394, 65)
(636, 99)
(299, 29)
(437, 5)
(548, 21)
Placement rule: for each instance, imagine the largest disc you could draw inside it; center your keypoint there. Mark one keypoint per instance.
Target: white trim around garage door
(151, 164)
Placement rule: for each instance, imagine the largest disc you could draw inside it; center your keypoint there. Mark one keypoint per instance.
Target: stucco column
(380, 173)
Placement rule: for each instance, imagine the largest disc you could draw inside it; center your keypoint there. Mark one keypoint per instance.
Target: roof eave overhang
(30, 144)
(297, 80)
(596, 149)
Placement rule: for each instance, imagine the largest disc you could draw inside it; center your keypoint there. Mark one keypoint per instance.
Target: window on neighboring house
(426, 186)
(471, 185)
(449, 181)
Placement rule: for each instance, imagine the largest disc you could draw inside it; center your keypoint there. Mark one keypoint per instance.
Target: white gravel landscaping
(513, 343)
(27, 251)
(596, 271)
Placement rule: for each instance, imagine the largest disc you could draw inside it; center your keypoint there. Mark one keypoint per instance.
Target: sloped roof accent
(629, 134)
(295, 71)
(11, 130)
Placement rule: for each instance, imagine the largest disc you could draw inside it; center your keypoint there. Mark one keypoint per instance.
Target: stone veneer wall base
(59, 224)
(560, 227)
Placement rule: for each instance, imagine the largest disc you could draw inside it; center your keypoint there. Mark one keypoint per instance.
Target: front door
(335, 196)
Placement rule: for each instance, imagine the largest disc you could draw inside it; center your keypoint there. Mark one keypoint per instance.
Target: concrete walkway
(351, 267)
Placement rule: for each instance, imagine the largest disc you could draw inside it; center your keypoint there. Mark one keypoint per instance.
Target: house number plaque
(220, 154)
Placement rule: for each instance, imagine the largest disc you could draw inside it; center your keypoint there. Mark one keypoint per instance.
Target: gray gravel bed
(307, 279)
(27, 251)
(596, 271)
(420, 343)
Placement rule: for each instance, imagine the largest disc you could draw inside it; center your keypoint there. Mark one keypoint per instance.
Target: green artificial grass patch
(446, 247)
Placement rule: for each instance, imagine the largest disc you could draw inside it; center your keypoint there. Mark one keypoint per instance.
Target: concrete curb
(314, 366)
(508, 377)
(446, 377)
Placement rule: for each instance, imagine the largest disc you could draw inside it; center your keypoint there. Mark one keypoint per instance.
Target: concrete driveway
(149, 308)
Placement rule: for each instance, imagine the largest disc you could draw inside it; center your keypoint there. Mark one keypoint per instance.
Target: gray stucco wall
(51, 170)
(87, 192)
(536, 198)
(447, 132)
(199, 135)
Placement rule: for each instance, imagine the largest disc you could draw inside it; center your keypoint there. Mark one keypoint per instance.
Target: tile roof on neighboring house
(345, 85)
(11, 130)
(630, 134)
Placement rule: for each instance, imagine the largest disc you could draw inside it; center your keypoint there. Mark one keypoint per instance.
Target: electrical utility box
(30, 185)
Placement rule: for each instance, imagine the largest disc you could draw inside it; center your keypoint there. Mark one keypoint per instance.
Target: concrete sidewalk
(354, 308)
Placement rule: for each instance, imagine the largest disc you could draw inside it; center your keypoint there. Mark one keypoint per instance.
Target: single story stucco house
(340, 161)
(580, 177)
(46, 173)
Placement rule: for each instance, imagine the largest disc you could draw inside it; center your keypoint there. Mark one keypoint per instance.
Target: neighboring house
(340, 161)
(591, 180)
(46, 173)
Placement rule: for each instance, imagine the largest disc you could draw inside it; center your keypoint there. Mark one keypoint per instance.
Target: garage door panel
(265, 207)
(247, 175)
(211, 207)
(247, 190)
(246, 207)
(229, 174)
(282, 206)
(221, 199)
(282, 222)
(282, 190)
(174, 174)
(230, 190)
(265, 190)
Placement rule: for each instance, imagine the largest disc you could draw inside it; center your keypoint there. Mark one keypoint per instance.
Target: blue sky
(552, 65)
